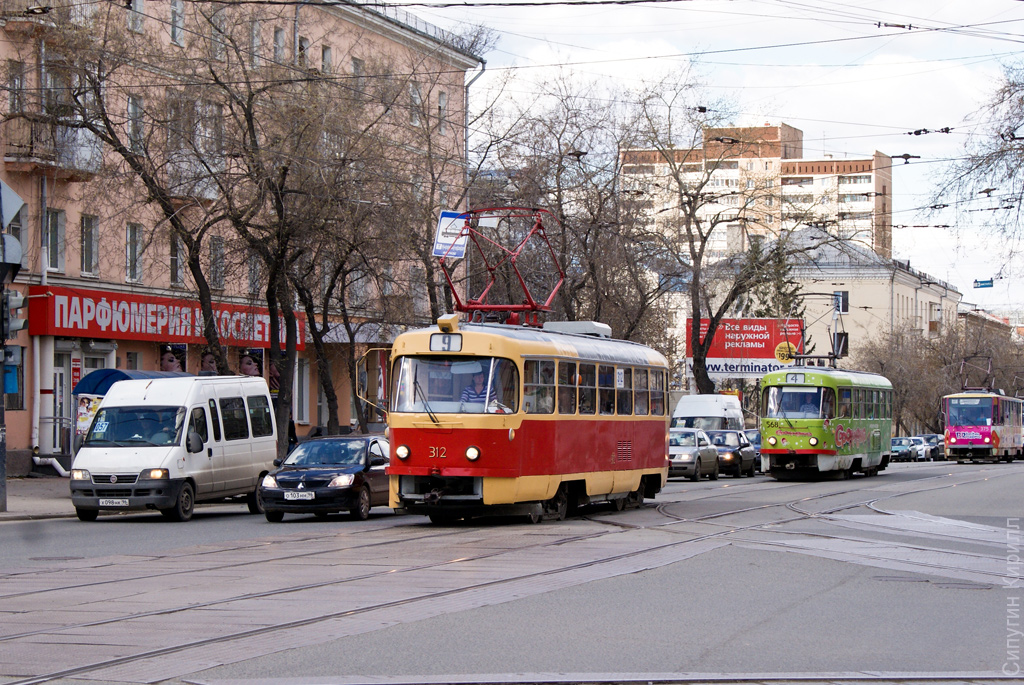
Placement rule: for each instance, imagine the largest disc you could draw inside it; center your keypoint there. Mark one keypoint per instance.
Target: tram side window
(658, 393)
(643, 395)
(606, 389)
(566, 387)
(539, 386)
(588, 388)
(856, 403)
(828, 403)
(624, 390)
(845, 403)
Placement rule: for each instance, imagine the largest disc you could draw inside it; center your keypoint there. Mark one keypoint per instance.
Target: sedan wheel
(696, 472)
(361, 511)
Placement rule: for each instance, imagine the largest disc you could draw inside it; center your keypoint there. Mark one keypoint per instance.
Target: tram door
(62, 403)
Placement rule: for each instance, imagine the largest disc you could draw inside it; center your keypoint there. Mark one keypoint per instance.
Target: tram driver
(476, 391)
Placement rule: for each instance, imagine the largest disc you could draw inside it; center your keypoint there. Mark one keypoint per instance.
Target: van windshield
(135, 426)
(704, 423)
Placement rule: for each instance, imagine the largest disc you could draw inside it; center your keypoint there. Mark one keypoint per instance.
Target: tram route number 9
(436, 453)
(445, 342)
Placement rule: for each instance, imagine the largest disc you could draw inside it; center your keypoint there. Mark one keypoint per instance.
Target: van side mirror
(194, 443)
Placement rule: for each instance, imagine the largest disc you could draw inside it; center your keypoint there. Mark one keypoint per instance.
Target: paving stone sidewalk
(37, 498)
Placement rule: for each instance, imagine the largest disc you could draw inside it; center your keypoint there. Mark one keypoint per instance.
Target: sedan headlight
(269, 481)
(684, 457)
(80, 474)
(342, 481)
(727, 456)
(402, 452)
(155, 474)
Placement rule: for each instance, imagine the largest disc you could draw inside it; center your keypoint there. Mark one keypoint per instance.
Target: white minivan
(167, 443)
(708, 412)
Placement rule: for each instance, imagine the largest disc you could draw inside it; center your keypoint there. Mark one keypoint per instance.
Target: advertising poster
(749, 348)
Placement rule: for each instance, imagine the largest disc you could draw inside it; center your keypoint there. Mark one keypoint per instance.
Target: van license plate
(113, 502)
(299, 495)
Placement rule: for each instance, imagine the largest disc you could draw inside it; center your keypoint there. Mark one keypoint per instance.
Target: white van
(708, 412)
(167, 443)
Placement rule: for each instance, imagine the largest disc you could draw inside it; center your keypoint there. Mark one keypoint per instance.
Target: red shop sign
(79, 313)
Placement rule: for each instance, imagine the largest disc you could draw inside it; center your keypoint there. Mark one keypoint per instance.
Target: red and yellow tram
(499, 419)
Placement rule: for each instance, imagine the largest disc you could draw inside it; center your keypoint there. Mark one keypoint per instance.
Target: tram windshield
(798, 402)
(969, 411)
(455, 385)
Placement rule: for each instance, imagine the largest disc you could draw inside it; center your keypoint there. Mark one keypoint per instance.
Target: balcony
(188, 178)
(70, 154)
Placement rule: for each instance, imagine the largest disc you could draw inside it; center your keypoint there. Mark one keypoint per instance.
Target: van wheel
(182, 509)
(361, 511)
(87, 514)
(254, 501)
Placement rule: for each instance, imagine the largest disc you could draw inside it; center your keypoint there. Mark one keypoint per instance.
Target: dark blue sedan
(329, 475)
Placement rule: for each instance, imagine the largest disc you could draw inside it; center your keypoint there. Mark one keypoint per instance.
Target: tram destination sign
(748, 348)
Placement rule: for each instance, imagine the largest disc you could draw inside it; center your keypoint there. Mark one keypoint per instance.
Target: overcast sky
(827, 68)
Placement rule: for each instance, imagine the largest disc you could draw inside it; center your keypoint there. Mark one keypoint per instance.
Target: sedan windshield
(682, 439)
(328, 452)
(724, 439)
(455, 385)
(135, 426)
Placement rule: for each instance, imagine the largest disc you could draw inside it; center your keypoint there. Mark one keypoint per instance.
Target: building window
(135, 128)
(90, 245)
(301, 409)
(841, 301)
(302, 58)
(131, 360)
(15, 86)
(255, 43)
(358, 72)
(255, 274)
(17, 229)
(442, 113)
(177, 259)
(326, 60)
(135, 15)
(278, 44)
(415, 103)
(53, 240)
(178, 22)
(217, 262)
(218, 29)
(133, 253)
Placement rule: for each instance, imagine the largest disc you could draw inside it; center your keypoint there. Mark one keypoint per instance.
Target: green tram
(819, 419)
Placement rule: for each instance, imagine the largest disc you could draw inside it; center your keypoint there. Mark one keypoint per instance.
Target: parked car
(936, 444)
(920, 448)
(735, 453)
(754, 436)
(328, 475)
(900, 449)
(691, 454)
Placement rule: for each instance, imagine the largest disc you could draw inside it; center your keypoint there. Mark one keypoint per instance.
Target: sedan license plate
(299, 495)
(114, 502)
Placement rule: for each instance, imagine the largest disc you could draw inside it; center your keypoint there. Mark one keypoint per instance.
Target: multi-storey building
(756, 181)
(106, 277)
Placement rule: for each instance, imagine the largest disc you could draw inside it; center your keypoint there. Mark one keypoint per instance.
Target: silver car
(691, 454)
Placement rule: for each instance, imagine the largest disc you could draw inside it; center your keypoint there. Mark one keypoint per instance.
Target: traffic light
(10, 324)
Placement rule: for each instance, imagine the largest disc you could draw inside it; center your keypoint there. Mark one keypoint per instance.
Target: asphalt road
(910, 571)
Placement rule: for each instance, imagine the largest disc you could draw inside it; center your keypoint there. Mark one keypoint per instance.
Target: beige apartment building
(107, 284)
(852, 295)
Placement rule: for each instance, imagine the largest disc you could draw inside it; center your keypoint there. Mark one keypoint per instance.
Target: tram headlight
(472, 453)
(772, 440)
(813, 441)
(952, 440)
(402, 451)
(987, 440)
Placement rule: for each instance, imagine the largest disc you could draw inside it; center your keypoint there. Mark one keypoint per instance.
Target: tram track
(793, 505)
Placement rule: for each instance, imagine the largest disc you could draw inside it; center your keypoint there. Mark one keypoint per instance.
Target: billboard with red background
(749, 348)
